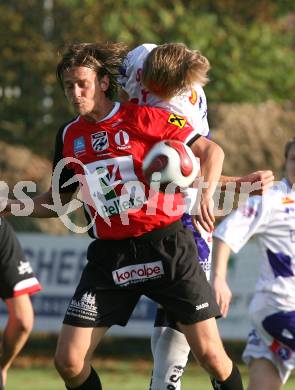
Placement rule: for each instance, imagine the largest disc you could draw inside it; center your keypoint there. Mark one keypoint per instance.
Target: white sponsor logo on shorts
(202, 306)
(84, 308)
(138, 273)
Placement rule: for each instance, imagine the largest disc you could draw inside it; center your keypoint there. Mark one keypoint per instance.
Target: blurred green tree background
(250, 45)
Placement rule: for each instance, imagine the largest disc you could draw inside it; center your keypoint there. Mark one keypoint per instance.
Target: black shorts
(161, 265)
(16, 274)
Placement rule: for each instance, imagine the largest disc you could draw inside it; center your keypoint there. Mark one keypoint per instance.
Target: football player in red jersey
(140, 246)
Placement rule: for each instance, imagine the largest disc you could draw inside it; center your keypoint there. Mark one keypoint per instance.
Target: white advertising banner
(59, 260)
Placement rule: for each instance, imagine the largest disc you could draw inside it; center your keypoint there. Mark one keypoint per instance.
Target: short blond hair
(172, 68)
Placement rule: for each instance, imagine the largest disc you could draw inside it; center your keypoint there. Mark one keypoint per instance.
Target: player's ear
(104, 82)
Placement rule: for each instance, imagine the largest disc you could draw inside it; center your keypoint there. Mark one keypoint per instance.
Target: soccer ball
(170, 161)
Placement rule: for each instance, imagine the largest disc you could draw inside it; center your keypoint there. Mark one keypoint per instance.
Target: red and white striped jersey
(106, 162)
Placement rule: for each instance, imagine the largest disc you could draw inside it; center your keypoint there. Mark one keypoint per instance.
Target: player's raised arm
(211, 158)
(41, 206)
(254, 183)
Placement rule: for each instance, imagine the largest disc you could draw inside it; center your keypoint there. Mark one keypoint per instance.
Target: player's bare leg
(206, 345)
(269, 380)
(73, 356)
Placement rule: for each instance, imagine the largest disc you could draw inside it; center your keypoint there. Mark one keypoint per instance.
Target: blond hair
(172, 68)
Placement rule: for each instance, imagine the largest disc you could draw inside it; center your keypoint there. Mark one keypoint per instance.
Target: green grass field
(115, 374)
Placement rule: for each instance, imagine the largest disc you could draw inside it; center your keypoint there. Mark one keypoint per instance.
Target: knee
(24, 324)
(67, 365)
(216, 362)
(209, 359)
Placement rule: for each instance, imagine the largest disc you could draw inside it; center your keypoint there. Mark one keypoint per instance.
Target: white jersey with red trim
(272, 219)
(106, 160)
(192, 103)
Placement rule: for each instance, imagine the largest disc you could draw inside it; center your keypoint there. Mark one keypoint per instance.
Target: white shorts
(272, 337)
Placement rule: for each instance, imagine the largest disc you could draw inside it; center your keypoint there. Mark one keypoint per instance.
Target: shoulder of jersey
(145, 47)
(274, 195)
(140, 52)
(68, 123)
(149, 112)
(62, 131)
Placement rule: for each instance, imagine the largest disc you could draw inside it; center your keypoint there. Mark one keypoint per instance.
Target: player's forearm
(41, 206)
(237, 180)
(254, 183)
(44, 206)
(33, 207)
(211, 167)
(221, 253)
(14, 338)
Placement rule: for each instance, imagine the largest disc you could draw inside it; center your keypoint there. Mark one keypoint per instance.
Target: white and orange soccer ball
(170, 161)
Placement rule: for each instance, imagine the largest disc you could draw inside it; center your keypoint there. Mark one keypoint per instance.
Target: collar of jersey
(111, 113)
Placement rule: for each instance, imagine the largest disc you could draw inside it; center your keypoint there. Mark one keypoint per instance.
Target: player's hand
(223, 294)
(205, 215)
(260, 181)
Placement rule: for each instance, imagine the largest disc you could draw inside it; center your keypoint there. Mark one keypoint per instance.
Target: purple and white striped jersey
(271, 218)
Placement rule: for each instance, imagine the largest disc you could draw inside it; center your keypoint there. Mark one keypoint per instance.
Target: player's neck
(100, 113)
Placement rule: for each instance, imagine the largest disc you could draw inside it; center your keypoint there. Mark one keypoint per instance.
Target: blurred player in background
(17, 282)
(270, 350)
(112, 281)
(172, 77)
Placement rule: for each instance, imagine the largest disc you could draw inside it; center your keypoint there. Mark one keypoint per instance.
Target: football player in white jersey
(172, 76)
(270, 350)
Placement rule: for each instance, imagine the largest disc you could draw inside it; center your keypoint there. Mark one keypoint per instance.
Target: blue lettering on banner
(57, 267)
(53, 305)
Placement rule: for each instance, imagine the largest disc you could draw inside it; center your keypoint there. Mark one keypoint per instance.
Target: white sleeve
(125, 70)
(197, 113)
(202, 102)
(249, 219)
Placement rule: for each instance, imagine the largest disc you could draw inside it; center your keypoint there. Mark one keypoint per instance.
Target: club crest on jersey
(100, 141)
(282, 351)
(79, 145)
(177, 120)
(122, 139)
(288, 200)
(194, 97)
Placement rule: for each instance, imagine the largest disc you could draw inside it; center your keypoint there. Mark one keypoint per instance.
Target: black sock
(233, 382)
(91, 383)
